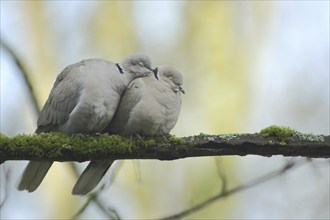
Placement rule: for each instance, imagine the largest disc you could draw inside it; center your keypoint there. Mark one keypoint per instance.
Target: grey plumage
(148, 107)
(33, 175)
(84, 99)
(91, 176)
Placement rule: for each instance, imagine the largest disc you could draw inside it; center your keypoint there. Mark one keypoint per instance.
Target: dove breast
(149, 106)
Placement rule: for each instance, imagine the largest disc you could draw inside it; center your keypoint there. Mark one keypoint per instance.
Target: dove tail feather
(33, 175)
(91, 176)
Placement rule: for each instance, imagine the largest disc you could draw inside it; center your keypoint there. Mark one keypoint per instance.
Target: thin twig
(83, 208)
(221, 173)
(24, 75)
(6, 185)
(111, 213)
(224, 194)
(93, 198)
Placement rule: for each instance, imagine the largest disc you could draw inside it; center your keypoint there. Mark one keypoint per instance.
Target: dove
(83, 100)
(150, 106)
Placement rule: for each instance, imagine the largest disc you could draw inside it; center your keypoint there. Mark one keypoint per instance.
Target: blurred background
(246, 65)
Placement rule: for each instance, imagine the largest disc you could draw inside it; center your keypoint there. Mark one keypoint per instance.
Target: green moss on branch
(273, 140)
(60, 145)
(286, 134)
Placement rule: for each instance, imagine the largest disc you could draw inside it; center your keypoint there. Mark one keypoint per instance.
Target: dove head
(138, 65)
(171, 76)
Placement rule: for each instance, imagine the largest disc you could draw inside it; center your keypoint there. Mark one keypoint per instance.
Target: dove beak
(181, 90)
(155, 71)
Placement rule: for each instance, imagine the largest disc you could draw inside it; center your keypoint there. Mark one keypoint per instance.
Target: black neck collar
(119, 68)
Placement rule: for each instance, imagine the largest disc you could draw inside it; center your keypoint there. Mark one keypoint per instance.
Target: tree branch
(270, 141)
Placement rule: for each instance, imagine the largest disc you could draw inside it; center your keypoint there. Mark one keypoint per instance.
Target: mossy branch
(270, 141)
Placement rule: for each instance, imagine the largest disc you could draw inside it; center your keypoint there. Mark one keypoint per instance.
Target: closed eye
(141, 64)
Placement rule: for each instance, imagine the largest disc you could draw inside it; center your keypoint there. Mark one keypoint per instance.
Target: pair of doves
(97, 96)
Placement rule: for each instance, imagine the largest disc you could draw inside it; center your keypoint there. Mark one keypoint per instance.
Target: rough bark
(60, 147)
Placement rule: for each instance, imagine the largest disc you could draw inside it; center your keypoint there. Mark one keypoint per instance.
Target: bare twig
(221, 172)
(224, 194)
(84, 206)
(93, 198)
(24, 75)
(4, 182)
(111, 213)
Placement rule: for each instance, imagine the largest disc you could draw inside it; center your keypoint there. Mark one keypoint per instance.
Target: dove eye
(170, 77)
(140, 64)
